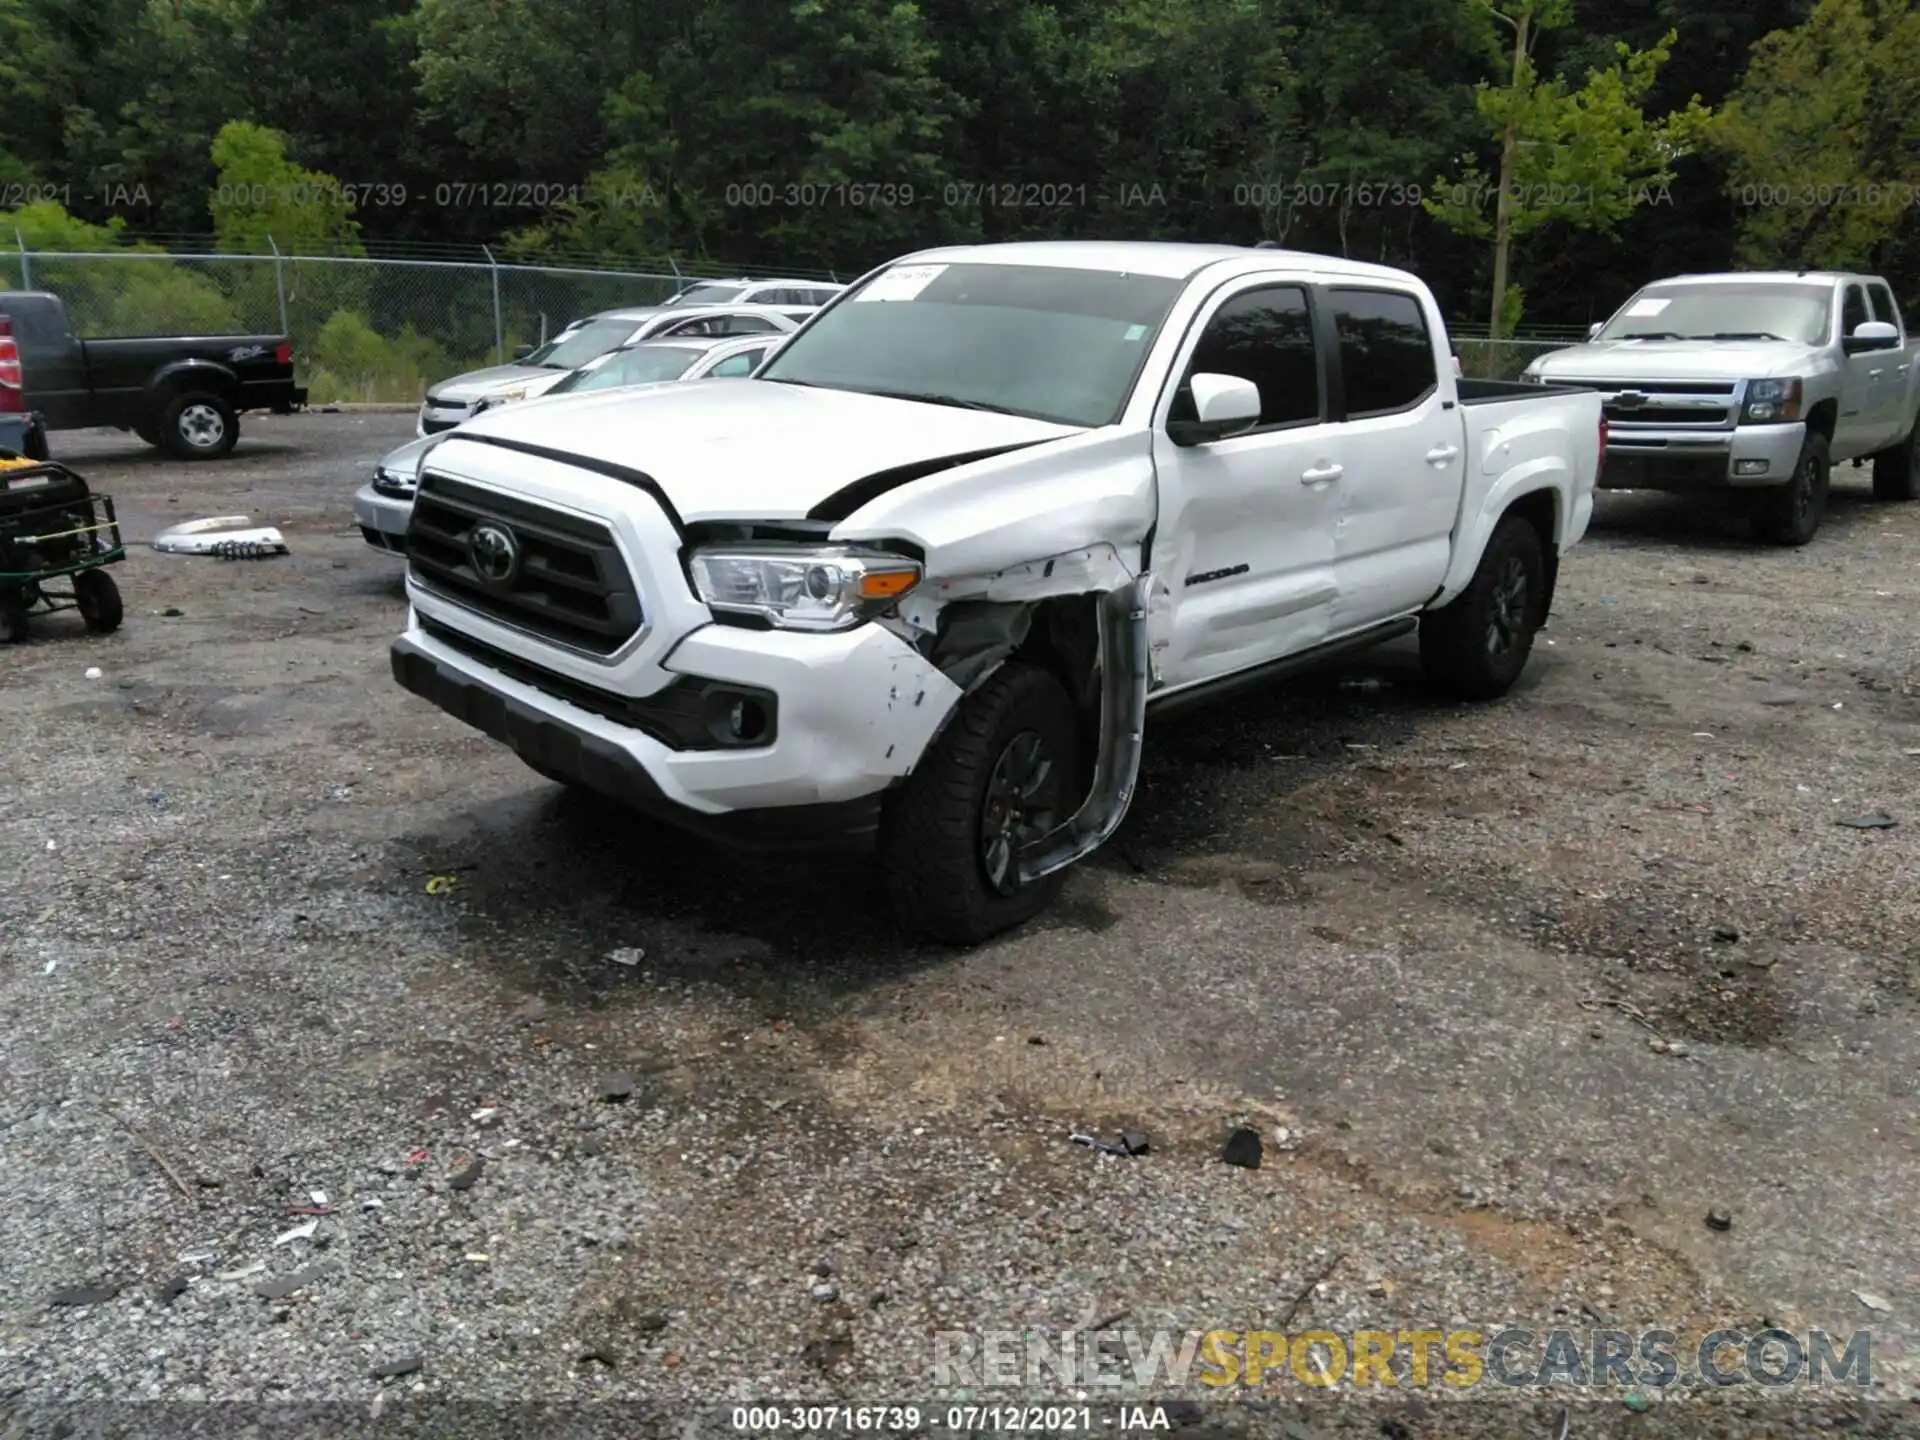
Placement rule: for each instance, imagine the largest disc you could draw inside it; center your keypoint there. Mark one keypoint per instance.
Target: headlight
(802, 588)
(394, 482)
(1772, 401)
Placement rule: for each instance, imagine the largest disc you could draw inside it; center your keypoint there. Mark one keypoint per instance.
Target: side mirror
(520, 352)
(1223, 405)
(1595, 328)
(1873, 335)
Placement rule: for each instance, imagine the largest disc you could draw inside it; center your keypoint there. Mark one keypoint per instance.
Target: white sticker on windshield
(1644, 309)
(1136, 332)
(903, 282)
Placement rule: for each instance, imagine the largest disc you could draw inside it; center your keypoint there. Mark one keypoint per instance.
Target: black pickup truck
(183, 393)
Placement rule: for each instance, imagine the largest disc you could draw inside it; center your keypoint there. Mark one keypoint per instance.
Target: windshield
(575, 348)
(638, 366)
(1725, 311)
(1039, 340)
(709, 295)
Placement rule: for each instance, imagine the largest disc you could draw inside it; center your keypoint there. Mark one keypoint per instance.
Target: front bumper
(436, 416)
(382, 520)
(856, 711)
(1748, 457)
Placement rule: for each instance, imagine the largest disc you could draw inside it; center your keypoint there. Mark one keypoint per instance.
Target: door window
(1853, 310)
(1265, 336)
(1386, 352)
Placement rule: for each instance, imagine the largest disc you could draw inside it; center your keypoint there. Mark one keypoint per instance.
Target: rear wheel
(1791, 514)
(1006, 771)
(1896, 472)
(99, 601)
(199, 425)
(1476, 645)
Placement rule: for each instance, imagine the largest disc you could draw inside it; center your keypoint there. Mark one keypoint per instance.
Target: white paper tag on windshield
(1646, 309)
(903, 282)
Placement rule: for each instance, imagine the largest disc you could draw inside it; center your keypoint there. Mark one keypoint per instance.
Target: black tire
(945, 855)
(1475, 646)
(199, 425)
(13, 619)
(1791, 514)
(36, 442)
(99, 601)
(1896, 472)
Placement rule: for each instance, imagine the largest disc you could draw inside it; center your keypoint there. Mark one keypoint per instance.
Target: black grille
(1666, 414)
(434, 426)
(691, 713)
(571, 587)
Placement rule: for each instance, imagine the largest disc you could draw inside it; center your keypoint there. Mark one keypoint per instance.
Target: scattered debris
(1638, 1403)
(477, 1257)
(172, 1290)
(298, 1232)
(484, 1114)
(824, 1291)
(627, 955)
(417, 1157)
(467, 1178)
(1243, 1149)
(442, 884)
(1725, 934)
(823, 1269)
(1135, 1141)
(51, 966)
(373, 1202)
(1874, 1302)
(230, 537)
(147, 1145)
(77, 1295)
(173, 612)
(94, 672)
(1719, 1220)
(1312, 1285)
(1874, 820)
(617, 1087)
(1105, 1147)
(394, 1369)
(319, 1197)
(603, 1355)
(245, 1272)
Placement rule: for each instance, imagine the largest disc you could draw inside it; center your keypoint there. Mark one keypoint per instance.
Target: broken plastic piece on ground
(442, 884)
(1876, 820)
(298, 1232)
(1105, 1147)
(231, 537)
(627, 955)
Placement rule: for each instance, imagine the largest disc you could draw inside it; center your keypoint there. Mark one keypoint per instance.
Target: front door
(1243, 542)
(1861, 386)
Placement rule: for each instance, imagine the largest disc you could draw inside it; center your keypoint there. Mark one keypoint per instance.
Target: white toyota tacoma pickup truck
(918, 582)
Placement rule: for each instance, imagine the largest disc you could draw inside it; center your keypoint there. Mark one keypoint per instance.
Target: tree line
(1535, 160)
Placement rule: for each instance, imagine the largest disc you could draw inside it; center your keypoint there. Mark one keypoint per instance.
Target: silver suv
(757, 292)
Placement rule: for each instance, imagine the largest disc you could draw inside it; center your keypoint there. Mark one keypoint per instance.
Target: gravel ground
(1530, 989)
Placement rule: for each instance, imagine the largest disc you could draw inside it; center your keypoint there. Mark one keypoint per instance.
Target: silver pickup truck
(1759, 382)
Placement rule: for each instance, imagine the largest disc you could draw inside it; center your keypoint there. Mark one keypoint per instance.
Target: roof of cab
(1171, 260)
(1764, 277)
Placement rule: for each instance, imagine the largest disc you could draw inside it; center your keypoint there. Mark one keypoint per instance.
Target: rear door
(1398, 430)
(1243, 541)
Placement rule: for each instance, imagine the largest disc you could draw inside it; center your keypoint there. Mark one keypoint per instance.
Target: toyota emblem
(495, 554)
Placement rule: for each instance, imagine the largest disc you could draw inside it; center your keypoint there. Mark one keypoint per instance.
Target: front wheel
(1896, 472)
(199, 425)
(98, 599)
(1475, 646)
(1006, 771)
(1791, 514)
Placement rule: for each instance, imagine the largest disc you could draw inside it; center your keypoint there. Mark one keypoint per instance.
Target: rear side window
(1386, 352)
(1265, 336)
(1853, 310)
(1883, 306)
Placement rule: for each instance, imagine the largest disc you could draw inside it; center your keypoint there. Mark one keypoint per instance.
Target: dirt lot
(1532, 988)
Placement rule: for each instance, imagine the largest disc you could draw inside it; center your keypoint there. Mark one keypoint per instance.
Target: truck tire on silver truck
(925, 604)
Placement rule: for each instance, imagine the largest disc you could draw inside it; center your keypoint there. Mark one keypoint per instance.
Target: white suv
(757, 292)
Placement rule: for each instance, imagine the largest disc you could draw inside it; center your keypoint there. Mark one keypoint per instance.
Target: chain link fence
(363, 329)
(367, 330)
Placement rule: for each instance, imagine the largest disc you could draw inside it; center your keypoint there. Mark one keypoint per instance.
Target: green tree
(261, 199)
(1583, 157)
(1822, 137)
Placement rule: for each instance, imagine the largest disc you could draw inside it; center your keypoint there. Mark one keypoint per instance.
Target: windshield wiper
(1738, 335)
(926, 398)
(1653, 335)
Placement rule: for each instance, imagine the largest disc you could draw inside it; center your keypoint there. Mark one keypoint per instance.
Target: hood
(475, 383)
(406, 459)
(756, 449)
(1630, 360)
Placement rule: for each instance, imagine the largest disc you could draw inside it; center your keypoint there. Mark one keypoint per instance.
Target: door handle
(1321, 474)
(1441, 454)
(1873, 374)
